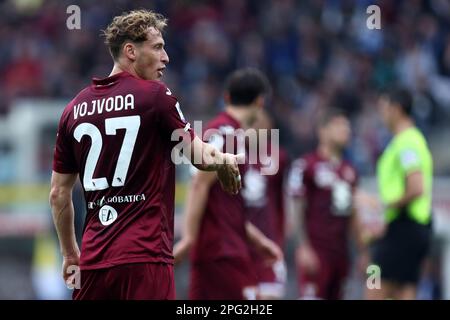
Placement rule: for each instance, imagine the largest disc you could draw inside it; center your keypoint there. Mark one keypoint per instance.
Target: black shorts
(402, 250)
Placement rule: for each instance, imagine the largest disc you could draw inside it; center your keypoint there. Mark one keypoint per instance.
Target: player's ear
(129, 51)
(260, 101)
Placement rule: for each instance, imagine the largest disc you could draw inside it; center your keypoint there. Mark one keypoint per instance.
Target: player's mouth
(161, 71)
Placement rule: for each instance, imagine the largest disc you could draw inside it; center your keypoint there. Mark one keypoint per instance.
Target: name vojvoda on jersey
(97, 106)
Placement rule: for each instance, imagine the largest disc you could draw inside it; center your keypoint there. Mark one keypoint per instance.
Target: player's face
(339, 131)
(151, 57)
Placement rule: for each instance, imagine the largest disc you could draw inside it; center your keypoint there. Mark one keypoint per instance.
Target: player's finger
(224, 183)
(70, 282)
(65, 274)
(234, 183)
(234, 164)
(230, 183)
(237, 177)
(231, 178)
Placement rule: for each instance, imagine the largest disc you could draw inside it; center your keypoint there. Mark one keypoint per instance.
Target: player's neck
(240, 114)
(402, 125)
(119, 68)
(328, 152)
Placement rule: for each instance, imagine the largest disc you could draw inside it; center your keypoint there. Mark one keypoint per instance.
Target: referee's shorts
(402, 250)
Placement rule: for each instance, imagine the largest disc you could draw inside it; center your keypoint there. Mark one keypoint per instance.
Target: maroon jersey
(264, 199)
(222, 229)
(327, 189)
(116, 134)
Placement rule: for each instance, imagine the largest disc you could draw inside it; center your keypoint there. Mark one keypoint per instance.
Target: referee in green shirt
(404, 174)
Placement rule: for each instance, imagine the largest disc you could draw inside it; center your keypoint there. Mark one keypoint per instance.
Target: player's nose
(165, 57)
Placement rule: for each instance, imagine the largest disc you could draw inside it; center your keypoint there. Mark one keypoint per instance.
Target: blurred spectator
(317, 53)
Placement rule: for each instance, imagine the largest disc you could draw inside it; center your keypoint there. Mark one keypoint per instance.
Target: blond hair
(131, 26)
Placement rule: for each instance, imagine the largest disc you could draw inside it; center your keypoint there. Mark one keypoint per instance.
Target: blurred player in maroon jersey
(264, 203)
(216, 226)
(116, 134)
(322, 185)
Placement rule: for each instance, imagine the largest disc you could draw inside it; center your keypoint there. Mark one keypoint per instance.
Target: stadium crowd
(316, 54)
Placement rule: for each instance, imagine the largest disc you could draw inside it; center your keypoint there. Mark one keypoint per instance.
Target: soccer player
(116, 134)
(264, 199)
(321, 185)
(404, 172)
(216, 226)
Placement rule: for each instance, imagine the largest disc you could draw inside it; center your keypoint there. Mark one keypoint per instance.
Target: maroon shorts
(222, 279)
(328, 282)
(136, 281)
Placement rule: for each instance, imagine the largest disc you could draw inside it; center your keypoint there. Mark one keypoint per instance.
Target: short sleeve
(409, 159)
(63, 157)
(296, 178)
(170, 115)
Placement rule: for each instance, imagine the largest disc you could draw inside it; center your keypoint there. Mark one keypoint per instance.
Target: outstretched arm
(206, 157)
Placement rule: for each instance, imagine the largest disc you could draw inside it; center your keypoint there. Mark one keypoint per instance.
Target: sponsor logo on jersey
(107, 215)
